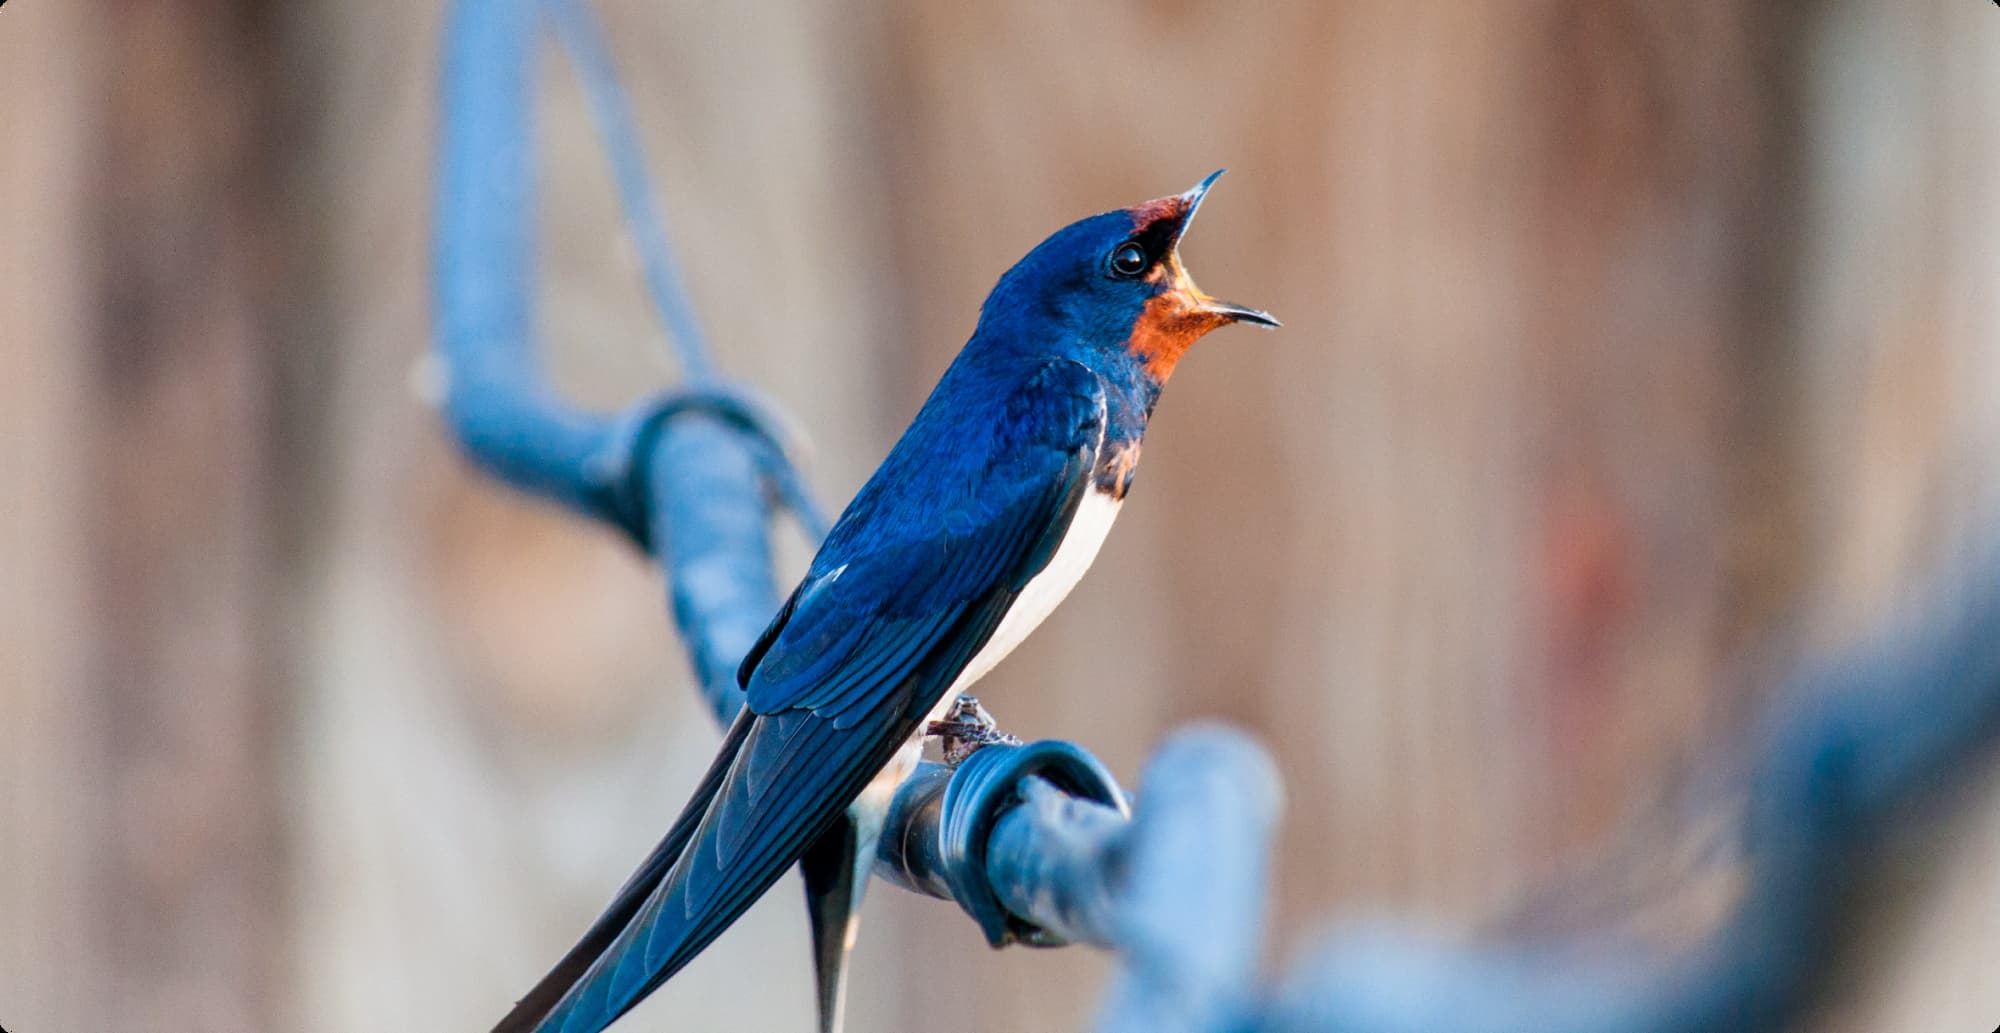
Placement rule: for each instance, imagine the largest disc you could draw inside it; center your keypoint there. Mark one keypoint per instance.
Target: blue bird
(983, 517)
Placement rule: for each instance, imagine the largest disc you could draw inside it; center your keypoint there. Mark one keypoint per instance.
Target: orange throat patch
(1172, 320)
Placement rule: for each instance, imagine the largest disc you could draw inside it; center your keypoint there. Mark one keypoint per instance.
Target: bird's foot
(966, 729)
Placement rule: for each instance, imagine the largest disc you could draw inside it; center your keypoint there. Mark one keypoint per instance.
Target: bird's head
(1114, 283)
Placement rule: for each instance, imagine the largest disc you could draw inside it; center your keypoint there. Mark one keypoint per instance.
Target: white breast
(1048, 588)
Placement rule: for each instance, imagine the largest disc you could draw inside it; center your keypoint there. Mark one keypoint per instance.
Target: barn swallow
(984, 515)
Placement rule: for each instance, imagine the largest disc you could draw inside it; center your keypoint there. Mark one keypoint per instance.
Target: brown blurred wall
(153, 480)
(1619, 339)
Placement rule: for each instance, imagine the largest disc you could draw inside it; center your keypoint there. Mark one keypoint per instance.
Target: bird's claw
(966, 729)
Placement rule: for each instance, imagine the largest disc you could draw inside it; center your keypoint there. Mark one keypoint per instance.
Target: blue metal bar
(1190, 905)
(683, 480)
(1054, 861)
(712, 535)
(496, 397)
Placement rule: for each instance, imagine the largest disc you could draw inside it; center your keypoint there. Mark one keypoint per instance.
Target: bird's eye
(1129, 259)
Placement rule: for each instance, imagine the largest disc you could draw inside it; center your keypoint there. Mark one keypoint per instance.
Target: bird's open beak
(1188, 203)
(1235, 313)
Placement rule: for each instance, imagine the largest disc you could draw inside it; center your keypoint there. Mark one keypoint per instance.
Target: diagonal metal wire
(583, 36)
(781, 443)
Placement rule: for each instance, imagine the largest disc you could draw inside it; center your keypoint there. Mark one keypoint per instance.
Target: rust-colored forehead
(1170, 208)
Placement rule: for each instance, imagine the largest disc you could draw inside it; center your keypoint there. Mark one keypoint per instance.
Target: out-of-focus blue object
(1035, 842)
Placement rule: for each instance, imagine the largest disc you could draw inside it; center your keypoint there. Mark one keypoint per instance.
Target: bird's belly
(1044, 592)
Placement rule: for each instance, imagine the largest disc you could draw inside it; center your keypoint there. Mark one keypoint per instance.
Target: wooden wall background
(1620, 339)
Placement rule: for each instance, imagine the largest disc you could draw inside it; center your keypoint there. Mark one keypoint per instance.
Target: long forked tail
(836, 876)
(778, 785)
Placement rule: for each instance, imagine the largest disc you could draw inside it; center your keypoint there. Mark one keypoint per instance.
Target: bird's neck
(1129, 397)
(1132, 380)
(1130, 393)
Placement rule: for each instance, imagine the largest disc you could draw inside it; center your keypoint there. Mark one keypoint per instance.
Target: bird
(983, 516)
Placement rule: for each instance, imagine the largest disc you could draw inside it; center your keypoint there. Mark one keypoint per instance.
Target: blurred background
(1630, 350)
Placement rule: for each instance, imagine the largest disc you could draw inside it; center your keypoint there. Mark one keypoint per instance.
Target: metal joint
(984, 788)
(617, 471)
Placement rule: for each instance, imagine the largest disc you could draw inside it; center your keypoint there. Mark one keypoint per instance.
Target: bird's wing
(910, 585)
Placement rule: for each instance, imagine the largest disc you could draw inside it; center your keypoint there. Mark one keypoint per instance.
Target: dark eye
(1129, 259)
